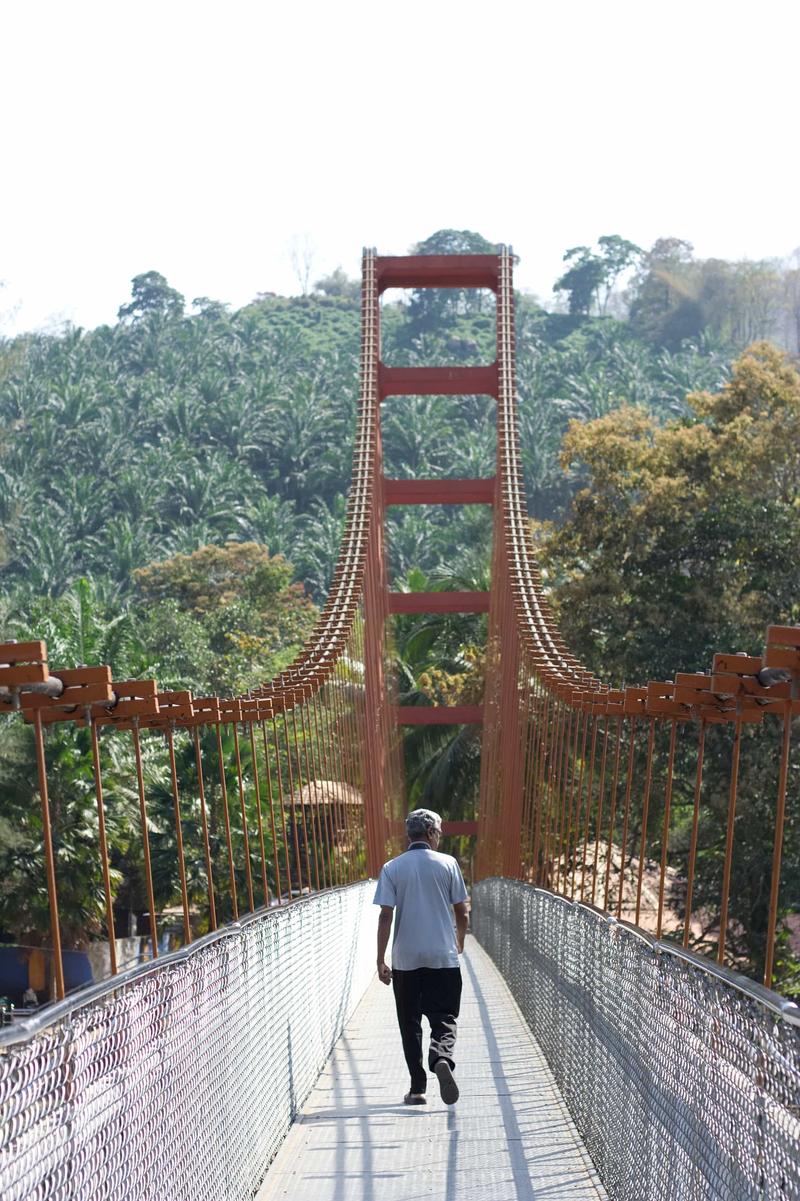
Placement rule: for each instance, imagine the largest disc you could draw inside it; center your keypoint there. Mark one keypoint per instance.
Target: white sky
(201, 140)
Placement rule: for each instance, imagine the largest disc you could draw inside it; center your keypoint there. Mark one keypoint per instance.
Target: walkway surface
(509, 1137)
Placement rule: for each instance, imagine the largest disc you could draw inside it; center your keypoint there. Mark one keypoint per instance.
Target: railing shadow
(518, 1145)
(372, 1180)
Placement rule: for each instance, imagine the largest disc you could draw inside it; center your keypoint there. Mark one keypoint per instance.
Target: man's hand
(384, 929)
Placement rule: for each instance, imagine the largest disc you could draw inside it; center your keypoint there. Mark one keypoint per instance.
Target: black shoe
(415, 1099)
(447, 1085)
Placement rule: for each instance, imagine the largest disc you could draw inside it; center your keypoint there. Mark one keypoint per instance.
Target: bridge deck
(509, 1137)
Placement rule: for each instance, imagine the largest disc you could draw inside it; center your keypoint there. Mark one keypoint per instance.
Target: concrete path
(509, 1137)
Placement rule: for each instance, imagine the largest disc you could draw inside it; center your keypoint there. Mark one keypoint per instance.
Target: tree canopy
(685, 537)
(591, 278)
(150, 293)
(233, 607)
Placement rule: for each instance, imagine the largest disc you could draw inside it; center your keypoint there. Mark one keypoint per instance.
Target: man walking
(423, 889)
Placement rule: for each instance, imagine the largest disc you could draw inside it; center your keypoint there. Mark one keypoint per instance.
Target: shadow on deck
(509, 1137)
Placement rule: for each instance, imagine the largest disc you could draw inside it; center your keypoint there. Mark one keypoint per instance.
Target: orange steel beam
(375, 728)
(439, 492)
(437, 271)
(437, 381)
(459, 827)
(438, 602)
(438, 715)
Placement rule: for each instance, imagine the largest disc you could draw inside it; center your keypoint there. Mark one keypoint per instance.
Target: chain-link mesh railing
(181, 1081)
(683, 1079)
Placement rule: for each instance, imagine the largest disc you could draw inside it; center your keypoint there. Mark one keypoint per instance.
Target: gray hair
(421, 821)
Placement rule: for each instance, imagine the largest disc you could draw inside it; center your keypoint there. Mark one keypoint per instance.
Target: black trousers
(436, 993)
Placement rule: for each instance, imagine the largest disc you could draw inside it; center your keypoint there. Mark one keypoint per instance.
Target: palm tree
(438, 657)
(271, 521)
(317, 544)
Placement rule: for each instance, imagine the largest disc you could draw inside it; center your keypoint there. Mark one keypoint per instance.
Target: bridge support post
(377, 716)
(510, 737)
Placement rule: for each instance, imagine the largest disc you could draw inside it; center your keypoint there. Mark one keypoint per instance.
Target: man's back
(421, 892)
(422, 886)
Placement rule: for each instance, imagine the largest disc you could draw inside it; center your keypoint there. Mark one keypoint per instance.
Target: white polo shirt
(422, 885)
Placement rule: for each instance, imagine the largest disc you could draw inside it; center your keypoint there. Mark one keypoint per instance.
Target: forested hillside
(186, 425)
(172, 492)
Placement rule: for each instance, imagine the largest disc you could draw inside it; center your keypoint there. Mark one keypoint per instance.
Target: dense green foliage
(685, 537)
(166, 432)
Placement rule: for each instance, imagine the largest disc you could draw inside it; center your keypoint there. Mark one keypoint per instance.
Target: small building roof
(326, 792)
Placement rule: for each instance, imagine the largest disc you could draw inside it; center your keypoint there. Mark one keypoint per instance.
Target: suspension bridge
(600, 1055)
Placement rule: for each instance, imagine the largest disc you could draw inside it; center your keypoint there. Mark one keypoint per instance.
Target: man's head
(423, 825)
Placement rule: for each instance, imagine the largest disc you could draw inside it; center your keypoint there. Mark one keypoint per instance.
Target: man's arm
(384, 930)
(461, 910)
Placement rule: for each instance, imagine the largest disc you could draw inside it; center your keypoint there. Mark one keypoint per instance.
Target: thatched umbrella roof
(327, 792)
